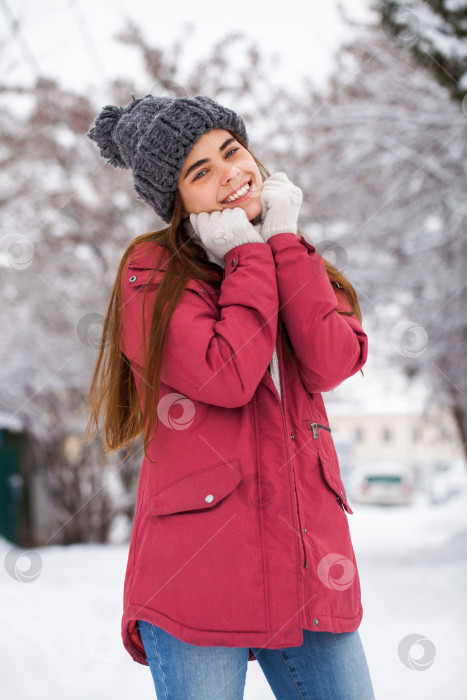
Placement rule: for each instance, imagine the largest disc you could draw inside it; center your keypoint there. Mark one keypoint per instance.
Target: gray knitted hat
(152, 136)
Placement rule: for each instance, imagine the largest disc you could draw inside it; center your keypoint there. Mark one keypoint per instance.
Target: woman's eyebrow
(206, 160)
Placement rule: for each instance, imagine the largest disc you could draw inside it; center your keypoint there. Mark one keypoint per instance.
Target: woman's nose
(230, 173)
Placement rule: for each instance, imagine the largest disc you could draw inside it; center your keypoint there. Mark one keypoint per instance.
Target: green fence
(11, 486)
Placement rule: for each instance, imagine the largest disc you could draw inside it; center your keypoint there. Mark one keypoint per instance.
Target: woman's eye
(232, 150)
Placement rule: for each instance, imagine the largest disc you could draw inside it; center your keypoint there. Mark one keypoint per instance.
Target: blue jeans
(327, 666)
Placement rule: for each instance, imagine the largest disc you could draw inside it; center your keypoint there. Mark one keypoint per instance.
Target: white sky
(73, 40)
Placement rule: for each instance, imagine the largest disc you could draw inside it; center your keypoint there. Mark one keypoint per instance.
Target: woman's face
(217, 168)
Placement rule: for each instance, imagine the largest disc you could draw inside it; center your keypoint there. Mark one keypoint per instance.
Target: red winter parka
(240, 536)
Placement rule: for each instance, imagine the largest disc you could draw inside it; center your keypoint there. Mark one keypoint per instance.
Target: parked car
(383, 483)
(446, 481)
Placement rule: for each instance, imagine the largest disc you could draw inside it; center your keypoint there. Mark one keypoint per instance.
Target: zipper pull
(314, 428)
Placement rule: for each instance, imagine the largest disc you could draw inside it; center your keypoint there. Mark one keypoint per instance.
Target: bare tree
(382, 160)
(65, 221)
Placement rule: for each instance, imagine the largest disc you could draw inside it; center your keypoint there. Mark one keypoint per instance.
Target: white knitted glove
(281, 201)
(220, 231)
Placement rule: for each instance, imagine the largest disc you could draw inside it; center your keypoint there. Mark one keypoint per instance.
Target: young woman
(222, 331)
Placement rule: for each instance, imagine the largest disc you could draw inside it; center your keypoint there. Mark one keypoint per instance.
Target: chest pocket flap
(138, 277)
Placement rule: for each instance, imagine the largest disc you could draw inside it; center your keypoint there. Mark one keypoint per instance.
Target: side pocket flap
(199, 490)
(333, 479)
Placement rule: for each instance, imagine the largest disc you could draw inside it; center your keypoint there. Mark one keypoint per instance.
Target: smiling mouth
(239, 194)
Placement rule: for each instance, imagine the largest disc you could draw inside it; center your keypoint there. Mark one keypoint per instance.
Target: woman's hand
(281, 201)
(220, 231)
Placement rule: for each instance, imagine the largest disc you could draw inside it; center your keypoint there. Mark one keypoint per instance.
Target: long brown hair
(113, 391)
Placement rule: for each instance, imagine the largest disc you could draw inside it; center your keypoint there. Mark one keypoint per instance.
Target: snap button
(292, 437)
(209, 498)
(316, 621)
(340, 502)
(234, 260)
(133, 278)
(304, 529)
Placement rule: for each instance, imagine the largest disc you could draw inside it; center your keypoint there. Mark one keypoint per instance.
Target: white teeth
(239, 193)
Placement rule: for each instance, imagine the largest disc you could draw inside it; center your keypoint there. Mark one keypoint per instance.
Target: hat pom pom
(102, 134)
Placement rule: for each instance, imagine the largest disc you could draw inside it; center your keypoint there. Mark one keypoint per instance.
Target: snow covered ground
(61, 632)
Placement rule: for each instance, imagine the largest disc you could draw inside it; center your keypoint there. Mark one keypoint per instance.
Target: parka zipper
(314, 427)
(292, 437)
